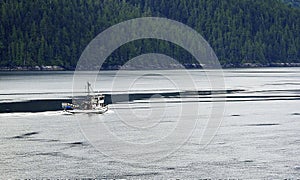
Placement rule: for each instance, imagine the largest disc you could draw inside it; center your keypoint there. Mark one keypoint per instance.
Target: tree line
(55, 32)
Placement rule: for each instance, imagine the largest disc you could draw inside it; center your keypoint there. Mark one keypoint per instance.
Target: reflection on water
(258, 138)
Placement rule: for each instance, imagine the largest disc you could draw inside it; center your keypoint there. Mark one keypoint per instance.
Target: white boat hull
(88, 111)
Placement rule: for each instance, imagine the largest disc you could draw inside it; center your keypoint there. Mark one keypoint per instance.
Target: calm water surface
(258, 137)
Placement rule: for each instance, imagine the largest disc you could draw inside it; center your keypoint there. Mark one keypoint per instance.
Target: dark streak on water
(296, 114)
(297, 168)
(78, 144)
(33, 105)
(28, 137)
(264, 124)
(280, 84)
(25, 135)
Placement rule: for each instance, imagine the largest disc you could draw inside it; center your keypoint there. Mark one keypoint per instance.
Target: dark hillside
(55, 32)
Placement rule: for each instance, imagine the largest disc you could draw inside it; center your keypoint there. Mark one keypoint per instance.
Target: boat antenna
(88, 87)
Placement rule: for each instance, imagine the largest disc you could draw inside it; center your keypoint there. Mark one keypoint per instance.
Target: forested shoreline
(51, 35)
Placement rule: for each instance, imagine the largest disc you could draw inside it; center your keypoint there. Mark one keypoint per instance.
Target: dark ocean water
(258, 137)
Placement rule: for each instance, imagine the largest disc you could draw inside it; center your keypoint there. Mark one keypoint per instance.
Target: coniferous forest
(55, 32)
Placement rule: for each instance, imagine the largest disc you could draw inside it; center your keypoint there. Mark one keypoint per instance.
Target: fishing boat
(91, 104)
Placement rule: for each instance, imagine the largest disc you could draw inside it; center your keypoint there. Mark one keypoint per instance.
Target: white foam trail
(47, 113)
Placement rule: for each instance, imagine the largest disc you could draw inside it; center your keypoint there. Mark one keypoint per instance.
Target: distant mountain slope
(56, 32)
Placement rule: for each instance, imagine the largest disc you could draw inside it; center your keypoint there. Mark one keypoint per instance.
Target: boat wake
(49, 106)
